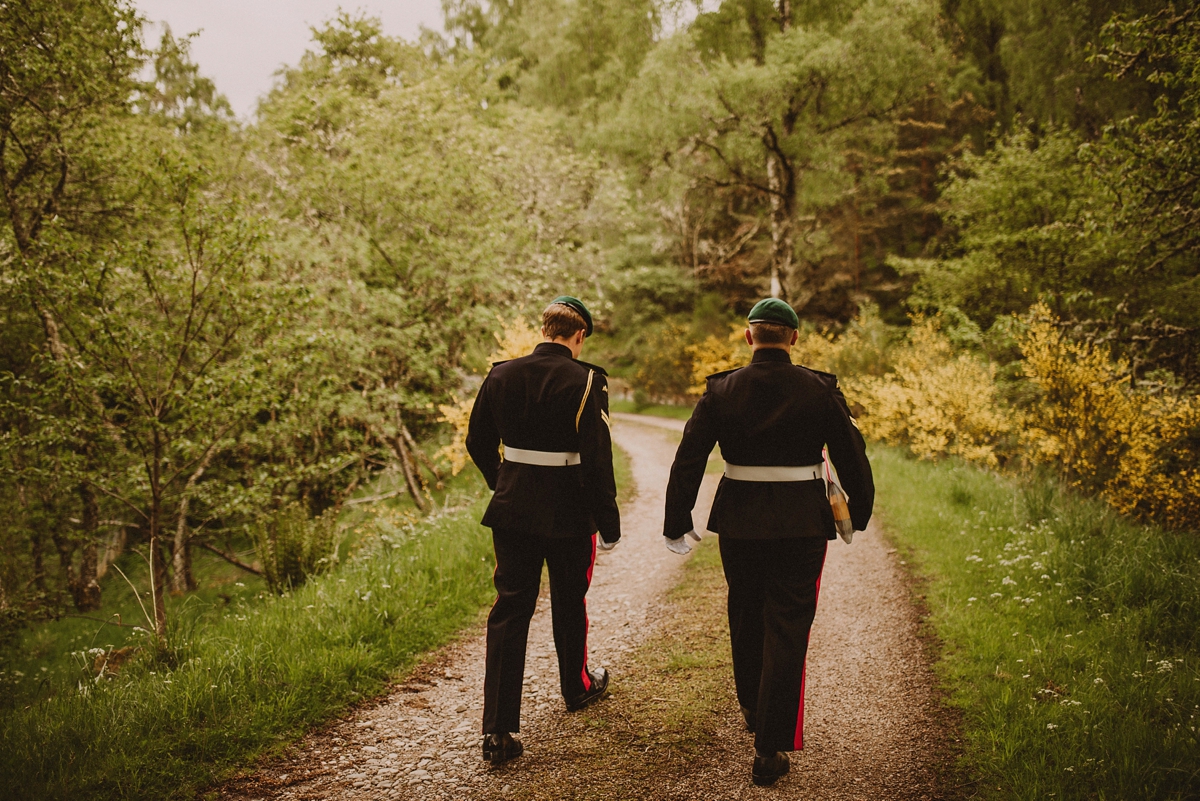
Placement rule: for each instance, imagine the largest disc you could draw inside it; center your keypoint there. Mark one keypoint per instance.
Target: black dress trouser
(518, 578)
(773, 587)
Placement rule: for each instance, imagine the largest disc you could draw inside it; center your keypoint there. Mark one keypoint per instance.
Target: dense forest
(215, 331)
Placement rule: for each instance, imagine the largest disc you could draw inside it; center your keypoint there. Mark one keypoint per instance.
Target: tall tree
(769, 129)
(66, 71)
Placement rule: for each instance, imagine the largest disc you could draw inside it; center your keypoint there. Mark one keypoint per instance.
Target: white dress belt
(543, 458)
(741, 472)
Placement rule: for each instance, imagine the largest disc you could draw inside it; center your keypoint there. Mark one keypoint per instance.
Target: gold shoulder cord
(586, 391)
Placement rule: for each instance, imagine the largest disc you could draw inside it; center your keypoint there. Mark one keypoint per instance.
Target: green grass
(1070, 636)
(233, 686)
(245, 671)
(623, 473)
(45, 659)
(655, 409)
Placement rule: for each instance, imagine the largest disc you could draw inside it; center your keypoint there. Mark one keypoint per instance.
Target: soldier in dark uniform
(772, 420)
(554, 490)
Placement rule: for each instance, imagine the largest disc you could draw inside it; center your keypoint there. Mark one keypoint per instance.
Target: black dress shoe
(768, 769)
(599, 681)
(499, 748)
(748, 715)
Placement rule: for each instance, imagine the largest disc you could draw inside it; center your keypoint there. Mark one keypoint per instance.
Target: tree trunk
(158, 573)
(421, 456)
(158, 565)
(182, 578)
(782, 237)
(411, 478)
(87, 594)
(37, 547)
(116, 547)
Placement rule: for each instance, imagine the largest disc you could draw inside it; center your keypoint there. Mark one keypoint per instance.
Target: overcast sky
(243, 42)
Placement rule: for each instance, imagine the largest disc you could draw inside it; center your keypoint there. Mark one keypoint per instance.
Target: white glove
(605, 546)
(680, 545)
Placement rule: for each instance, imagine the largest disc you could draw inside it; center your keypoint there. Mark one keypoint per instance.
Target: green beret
(774, 310)
(577, 305)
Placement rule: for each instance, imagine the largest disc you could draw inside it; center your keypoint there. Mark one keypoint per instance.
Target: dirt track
(875, 729)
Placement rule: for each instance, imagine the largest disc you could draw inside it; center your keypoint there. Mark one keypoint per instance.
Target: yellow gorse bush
(717, 354)
(1136, 450)
(516, 338)
(934, 401)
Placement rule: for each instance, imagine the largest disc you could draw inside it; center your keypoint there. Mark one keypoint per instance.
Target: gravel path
(875, 728)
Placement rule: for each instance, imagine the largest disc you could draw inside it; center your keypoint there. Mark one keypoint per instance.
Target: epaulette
(721, 374)
(830, 379)
(497, 364)
(595, 367)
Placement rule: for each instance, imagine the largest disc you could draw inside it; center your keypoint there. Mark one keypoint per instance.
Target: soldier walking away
(771, 510)
(554, 490)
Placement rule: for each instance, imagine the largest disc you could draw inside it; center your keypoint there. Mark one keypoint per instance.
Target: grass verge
(654, 409)
(1070, 636)
(256, 677)
(245, 671)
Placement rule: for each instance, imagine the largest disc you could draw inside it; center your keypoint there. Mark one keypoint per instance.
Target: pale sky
(242, 43)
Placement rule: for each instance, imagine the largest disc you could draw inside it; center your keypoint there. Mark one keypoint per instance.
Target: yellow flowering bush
(861, 349)
(934, 401)
(664, 363)
(717, 354)
(516, 338)
(1136, 450)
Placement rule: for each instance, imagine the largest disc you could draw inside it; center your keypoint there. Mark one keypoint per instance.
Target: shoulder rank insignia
(595, 367)
(721, 374)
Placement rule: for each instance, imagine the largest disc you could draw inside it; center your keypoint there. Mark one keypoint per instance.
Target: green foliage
(292, 547)
(1152, 160)
(1031, 61)
(652, 409)
(244, 681)
(747, 142)
(67, 65)
(1028, 221)
(179, 92)
(573, 55)
(1069, 634)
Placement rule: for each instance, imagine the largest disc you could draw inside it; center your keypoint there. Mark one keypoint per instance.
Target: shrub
(665, 363)
(516, 339)
(291, 546)
(934, 401)
(1135, 449)
(717, 354)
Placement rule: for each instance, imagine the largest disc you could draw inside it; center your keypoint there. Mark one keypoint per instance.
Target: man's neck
(566, 343)
(755, 348)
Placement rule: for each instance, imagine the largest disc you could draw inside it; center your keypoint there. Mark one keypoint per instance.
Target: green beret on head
(577, 305)
(774, 310)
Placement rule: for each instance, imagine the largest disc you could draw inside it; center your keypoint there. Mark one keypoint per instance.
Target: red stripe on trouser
(587, 624)
(798, 740)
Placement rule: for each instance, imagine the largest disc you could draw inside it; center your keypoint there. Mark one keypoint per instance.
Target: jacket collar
(553, 349)
(771, 355)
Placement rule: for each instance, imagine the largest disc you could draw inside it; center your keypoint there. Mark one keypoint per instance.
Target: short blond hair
(560, 321)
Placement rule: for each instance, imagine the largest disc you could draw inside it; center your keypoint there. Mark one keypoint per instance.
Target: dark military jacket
(547, 401)
(778, 414)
